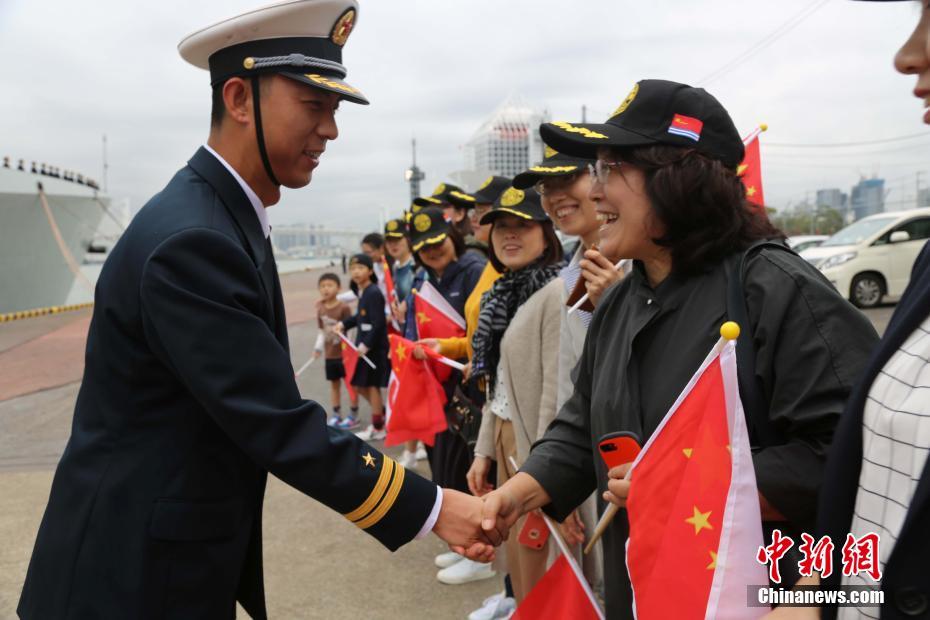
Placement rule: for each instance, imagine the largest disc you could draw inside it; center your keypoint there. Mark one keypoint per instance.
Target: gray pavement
(317, 565)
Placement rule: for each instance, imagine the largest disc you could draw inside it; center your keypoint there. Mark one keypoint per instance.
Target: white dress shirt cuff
(432, 518)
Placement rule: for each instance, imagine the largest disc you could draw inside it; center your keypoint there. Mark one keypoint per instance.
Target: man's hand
(339, 328)
(477, 476)
(362, 349)
(618, 488)
(572, 529)
(598, 273)
(459, 525)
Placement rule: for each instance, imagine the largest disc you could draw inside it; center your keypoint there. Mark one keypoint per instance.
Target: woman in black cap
(516, 352)
(669, 197)
(439, 249)
(371, 339)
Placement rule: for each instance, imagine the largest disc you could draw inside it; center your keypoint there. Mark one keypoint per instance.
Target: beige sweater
(530, 363)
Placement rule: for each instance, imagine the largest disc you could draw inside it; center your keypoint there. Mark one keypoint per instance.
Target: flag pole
(554, 531)
(620, 265)
(355, 348)
(755, 133)
(304, 367)
(728, 331)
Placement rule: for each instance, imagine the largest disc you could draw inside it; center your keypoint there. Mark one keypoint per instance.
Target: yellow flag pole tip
(414, 291)
(729, 330)
(764, 127)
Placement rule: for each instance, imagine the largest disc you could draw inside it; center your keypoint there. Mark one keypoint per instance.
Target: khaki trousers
(525, 565)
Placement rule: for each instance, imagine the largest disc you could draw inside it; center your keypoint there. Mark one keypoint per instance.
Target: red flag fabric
(415, 396)
(693, 506)
(388, 283)
(557, 596)
(349, 362)
(751, 172)
(435, 318)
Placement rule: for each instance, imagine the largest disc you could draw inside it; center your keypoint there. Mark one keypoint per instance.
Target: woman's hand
(466, 374)
(598, 273)
(362, 349)
(399, 310)
(617, 487)
(339, 328)
(477, 476)
(572, 529)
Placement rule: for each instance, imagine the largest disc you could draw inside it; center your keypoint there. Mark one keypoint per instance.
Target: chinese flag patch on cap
(686, 126)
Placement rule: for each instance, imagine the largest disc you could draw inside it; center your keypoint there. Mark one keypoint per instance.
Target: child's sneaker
(348, 423)
(334, 420)
(372, 434)
(408, 459)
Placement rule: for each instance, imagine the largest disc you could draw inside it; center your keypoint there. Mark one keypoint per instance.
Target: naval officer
(188, 398)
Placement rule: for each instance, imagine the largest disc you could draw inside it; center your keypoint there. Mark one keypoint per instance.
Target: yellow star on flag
(687, 452)
(700, 520)
(741, 169)
(400, 352)
(422, 318)
(751, 190)
(369, 460)
(713, 561)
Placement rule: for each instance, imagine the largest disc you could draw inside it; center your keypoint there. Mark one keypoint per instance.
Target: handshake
(474, 526)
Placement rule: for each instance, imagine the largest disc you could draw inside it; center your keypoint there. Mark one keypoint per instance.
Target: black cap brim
(583, 140)
(497, 212)
(530, 177)
(331, 83)
(428, 202)
(425, 241)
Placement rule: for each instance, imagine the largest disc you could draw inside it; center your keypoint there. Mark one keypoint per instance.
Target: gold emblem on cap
(248, 63)
(550, 152)
(422, 222)
(584, 131)
(626, 102)
(392, 225)
(331, 84)
(343, 28)
(512, 197)
(439, 189)
(487, 182)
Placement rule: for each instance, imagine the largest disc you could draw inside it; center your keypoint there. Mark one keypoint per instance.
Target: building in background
(507, 143)
(312, 241)
(867, 198)
(923, 197)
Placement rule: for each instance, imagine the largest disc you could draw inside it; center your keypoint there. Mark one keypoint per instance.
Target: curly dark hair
(701, 203)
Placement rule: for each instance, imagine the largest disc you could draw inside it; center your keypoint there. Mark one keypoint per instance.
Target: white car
(799, 243)
(872, 258)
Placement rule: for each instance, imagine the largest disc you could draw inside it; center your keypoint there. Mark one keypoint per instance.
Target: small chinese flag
(436, 318)
(557, 596)
(415, 397)
(388, 282)
(693, 507)
(751, 172)
(349, 362)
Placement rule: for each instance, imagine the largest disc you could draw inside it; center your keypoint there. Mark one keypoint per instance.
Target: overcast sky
(435, 69)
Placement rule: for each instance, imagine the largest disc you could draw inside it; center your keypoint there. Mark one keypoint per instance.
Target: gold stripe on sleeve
(387, 468)
(388, 502)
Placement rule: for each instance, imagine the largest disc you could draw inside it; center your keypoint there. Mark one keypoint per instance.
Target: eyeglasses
(600, 169)
(552, 184)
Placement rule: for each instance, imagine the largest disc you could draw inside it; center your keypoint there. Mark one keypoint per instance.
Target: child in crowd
(372, 341)
(330, 310)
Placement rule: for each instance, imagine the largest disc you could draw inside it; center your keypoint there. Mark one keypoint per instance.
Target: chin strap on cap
(256, 106)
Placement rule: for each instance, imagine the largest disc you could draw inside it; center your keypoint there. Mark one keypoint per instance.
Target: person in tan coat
(516, 353)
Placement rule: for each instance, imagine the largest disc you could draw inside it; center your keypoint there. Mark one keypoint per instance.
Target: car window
(917, 229)
(858, 232)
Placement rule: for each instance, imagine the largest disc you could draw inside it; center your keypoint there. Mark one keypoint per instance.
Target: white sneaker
(447, 559)
(465, 571)
(408, 459)
(498, 606)
(421, 452)
(371, 434)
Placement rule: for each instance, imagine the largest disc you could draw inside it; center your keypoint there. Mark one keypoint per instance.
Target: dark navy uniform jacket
(188, 401)
(906, 580)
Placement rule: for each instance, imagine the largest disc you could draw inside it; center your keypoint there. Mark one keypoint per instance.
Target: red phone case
(535, 533)
(624, 450)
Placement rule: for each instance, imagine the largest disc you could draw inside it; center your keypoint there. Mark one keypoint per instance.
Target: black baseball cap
(428, 227)
(524, 203)
(462, 200)
(439, 196)
(491, 189)
(655, 112)
(396, 228)
(554, 164)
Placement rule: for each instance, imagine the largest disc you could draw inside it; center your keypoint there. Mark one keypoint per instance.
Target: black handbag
(463, 417)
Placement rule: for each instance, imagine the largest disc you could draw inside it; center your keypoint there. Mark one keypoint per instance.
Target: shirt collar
(252, 196)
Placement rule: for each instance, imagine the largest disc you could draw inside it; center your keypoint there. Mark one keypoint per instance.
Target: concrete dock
(317, 565)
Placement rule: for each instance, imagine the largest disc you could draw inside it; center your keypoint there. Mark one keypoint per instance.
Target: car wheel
(867, 290)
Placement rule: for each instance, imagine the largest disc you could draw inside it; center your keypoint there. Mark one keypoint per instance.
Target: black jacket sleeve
(202, 301)
(811, 347)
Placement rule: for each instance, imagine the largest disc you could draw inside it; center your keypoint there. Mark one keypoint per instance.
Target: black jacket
(188, 400)
(906, 581)
(645, 344)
